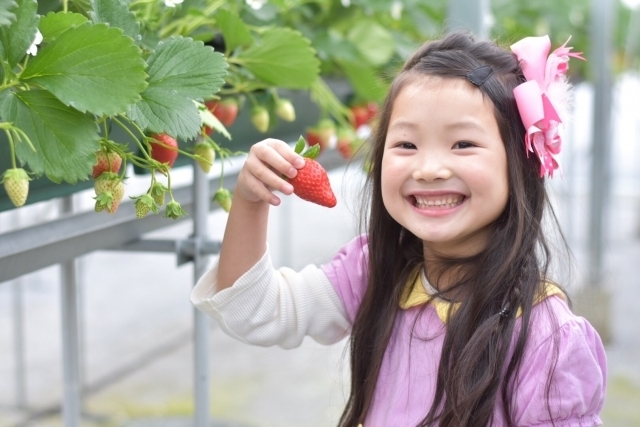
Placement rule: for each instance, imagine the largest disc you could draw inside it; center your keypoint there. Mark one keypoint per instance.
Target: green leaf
(300, 145)
(54, 24)
(64, 138)
(187, 67)
(282, 58)
(162, 111)
(6, 14)
(17, 37)
(180, 70)
(364, 81)
(235, 32)
(212, 121)
(91, 68)
(117, 14)
(374, 42)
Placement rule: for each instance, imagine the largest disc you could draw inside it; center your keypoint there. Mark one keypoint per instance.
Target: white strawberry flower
(172, 3)
(256, 4)
(33, 49)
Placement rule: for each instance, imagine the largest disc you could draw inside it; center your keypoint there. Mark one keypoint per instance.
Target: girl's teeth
(449, 202)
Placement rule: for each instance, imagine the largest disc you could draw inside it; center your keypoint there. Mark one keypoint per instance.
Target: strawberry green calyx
(145, 204)
(300, 145)
(157, 192)
(16, 183)
(285, 110)
(311, 152)
(174, 210)
(223, 198)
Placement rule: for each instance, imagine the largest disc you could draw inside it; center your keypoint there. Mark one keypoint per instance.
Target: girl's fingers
(286, 160)
(258, 188)
(269, 177)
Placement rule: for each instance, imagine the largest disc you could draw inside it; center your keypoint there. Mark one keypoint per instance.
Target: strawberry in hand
(312, 183)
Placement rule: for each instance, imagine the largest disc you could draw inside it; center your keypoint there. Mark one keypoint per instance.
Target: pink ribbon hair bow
(546, 82)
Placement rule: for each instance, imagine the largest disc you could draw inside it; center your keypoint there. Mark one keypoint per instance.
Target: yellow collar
(415, 294)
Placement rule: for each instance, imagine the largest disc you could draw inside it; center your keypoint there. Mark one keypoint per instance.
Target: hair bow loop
(546, 77)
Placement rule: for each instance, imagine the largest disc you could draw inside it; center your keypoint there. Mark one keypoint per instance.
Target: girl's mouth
(445, 201)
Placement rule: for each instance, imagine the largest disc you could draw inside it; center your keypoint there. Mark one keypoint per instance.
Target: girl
(452, 319)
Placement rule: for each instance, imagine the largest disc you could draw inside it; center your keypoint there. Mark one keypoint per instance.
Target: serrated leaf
(234, 31)
(282, 58)
(364, 81)
(91, 68)
(117, 14)
(64, 138)
(180, 70)
(17, 37)
(54, 24)
(373, 41)
(162, 111)
(187, 67)
(6, 12)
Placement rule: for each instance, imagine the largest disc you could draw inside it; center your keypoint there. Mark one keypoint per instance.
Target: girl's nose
(431, 167)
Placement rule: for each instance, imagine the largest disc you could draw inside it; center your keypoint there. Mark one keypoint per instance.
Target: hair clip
(480, 75)
(505, 311)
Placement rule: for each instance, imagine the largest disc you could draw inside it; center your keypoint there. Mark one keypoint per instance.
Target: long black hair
(474, 369)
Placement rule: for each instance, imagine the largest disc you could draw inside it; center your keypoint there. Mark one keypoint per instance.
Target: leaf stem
(12, 148)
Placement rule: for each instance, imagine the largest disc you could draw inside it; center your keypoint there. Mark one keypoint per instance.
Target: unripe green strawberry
(326, 132)
(109, 192)
(145, 204)
(106, 162)
(207, 153)
(158, 192)
(16, 183)
(285, 110)
(223, 197)
(260, 118)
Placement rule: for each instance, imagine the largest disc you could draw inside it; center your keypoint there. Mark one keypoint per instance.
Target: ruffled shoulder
(569, 348)
(348, 272)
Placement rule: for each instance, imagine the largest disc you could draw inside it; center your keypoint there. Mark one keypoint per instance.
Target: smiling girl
(452, 317)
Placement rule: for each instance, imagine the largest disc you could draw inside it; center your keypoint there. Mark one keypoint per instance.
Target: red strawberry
(106, 162)
(16, 183)
(285, 110)
(346, 142)
(207, 153)
(359, 115)
(225, 110)
(312, 183)
(372, 109)
(164, 149)
(313, 137)
(109, 192)
(260, 118)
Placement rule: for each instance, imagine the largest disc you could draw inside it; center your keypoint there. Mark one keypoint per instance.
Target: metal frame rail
(62, 240)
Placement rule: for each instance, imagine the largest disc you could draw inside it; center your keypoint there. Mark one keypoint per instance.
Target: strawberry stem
(12, 148)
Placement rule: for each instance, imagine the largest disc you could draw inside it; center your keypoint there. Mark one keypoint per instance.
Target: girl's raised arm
(245, 236)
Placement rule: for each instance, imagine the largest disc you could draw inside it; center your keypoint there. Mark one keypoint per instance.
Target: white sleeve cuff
(274, 307)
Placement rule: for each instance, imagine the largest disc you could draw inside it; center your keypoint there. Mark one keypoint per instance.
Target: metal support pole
(18, 341)
(201, 202)
(594, 302)
(72, 400)
(471, 15)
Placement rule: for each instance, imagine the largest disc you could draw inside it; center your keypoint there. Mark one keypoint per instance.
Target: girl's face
(444, 166)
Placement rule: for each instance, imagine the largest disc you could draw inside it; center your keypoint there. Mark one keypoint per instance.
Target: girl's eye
(463, 144)
(406, 145)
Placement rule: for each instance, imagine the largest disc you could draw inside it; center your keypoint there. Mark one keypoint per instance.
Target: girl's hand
(263, 172)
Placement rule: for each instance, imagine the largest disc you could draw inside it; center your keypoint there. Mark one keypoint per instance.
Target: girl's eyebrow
(465, 124)
(403, 124)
